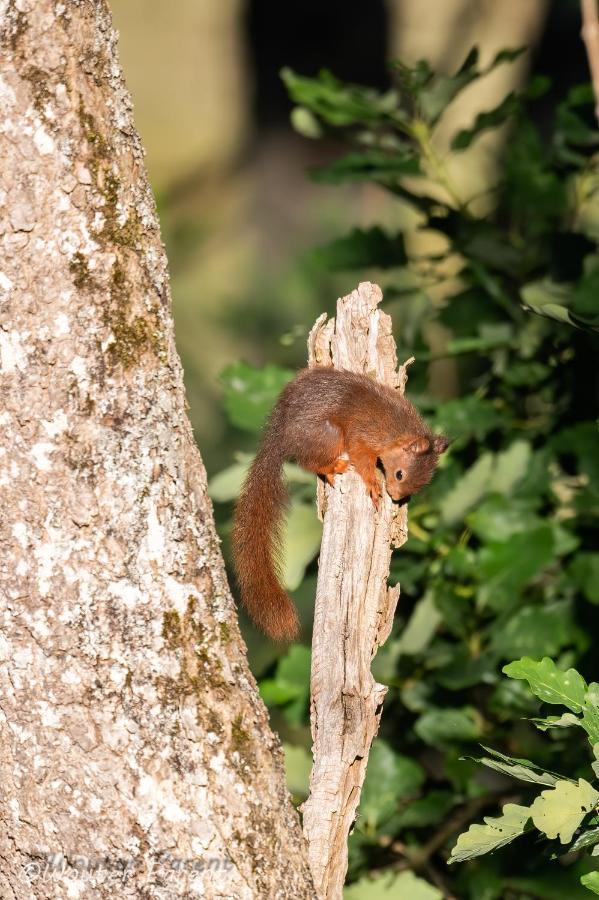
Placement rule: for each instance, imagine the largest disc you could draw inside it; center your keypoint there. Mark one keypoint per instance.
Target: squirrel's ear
(440, 444)
(418, 445)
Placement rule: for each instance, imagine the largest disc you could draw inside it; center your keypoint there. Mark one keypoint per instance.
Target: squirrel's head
(410, 463)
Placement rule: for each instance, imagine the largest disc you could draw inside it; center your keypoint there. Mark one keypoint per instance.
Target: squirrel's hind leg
(321, 451)
(337, 468)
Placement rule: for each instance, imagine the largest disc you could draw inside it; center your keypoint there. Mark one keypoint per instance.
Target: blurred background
(239, 214)
(468, 188)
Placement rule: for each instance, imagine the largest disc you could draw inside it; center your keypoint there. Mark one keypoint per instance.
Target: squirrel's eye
(399, 474)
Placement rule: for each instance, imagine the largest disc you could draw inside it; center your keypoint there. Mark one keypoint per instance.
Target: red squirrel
(326, 420)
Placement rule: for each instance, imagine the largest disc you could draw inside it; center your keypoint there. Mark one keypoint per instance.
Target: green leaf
(591, 881)
(301, 539)
(498, 518)
(250, 393)
(511, 466)
(468, 417)
(434, 97)
(465, 669)
(294, 667)
(584, 571)
(522, 769)
(291, 685)
(545, 292)
(508, 107)
(390, 778)
(444, 727)
(567, 720)
(550, 684)
(561, 810)
(505, 567)
(425, 811)
(468, 490)
(590, 718)
(363, 249)
(382, 167)
(226, 485)
(298, 765)
(438, 93)
(278, 693)
(421, 627)
(495, 833)
(405, 886)
(553, 300)
(340, 104)
(305, 123)
(526, 374)
(536, 630)
(585, 839)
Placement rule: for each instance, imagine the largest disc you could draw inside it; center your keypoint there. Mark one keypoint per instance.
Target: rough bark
(136, 758)
(354, 607)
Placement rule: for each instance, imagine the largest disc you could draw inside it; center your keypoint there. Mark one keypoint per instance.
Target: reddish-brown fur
(325, 419)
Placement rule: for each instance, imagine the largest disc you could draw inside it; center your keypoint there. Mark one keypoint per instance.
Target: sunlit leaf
(495, 833)
(305, 123)
(567, 720)
(560, 811)
(405, 886)
(591, 882)
(550, 684)
(590, 717)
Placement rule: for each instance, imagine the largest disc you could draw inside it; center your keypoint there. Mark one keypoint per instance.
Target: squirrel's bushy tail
(257, 539)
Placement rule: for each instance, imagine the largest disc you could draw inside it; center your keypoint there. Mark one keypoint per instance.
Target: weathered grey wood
(354, 607)
(136, 758)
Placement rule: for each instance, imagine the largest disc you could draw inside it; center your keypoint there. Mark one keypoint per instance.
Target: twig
(590, 36)
(354, 607)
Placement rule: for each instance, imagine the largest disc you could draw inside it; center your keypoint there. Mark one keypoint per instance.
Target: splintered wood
(354, 606)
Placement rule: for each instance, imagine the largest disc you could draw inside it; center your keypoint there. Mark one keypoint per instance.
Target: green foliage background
(502, 560)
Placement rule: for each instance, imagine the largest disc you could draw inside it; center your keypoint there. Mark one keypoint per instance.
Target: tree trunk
(136, 758)
(354, 607)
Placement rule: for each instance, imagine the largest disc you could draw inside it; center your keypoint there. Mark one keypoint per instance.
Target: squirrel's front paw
(373, 488)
